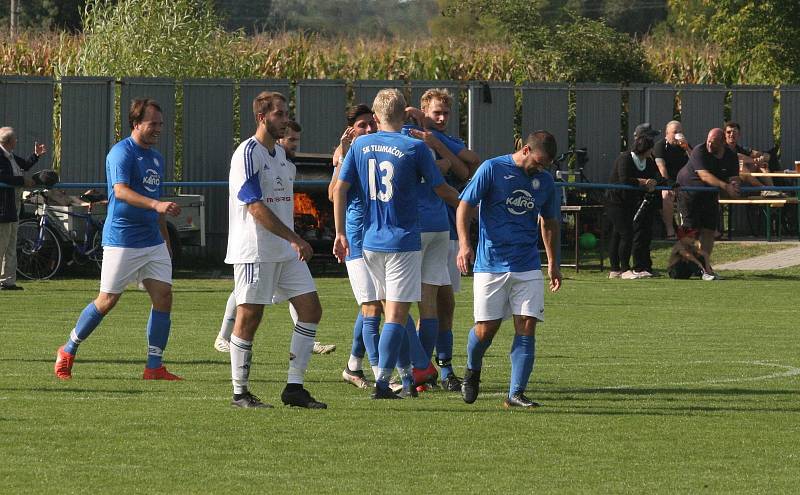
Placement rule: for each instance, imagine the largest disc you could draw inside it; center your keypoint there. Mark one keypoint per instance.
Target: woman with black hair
(635, 168)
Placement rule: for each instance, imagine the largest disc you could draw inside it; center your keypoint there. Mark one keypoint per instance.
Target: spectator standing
(12, 168)
(671, 154)
(628, 236)
(710, 164)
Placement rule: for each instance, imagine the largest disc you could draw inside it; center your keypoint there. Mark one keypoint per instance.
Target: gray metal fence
(203, 137)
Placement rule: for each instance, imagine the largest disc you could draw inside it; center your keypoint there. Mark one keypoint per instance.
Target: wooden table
(768, 204)
(784, 175)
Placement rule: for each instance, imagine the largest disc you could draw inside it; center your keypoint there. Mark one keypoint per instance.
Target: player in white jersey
(268, 257)
(135, 241)
(289, 142)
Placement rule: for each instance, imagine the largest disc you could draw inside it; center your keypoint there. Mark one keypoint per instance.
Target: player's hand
(168, 208)
(554, 272)
(416, 114)
(348, 136)
(465, 259)
(341, 249)
(304, 250)
(427, 137)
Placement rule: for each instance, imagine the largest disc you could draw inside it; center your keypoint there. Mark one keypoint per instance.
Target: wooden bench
(768, 204)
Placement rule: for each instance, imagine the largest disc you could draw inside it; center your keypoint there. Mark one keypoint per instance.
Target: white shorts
(396, 275)
(361, 281)
(122, 266)
(500, 295)
(434, 258)
(455, 273)
(271, 282)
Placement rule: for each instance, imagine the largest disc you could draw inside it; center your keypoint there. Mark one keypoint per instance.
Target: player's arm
(470, 159)
(466, 256)
(267, 219)
(123, 192)
(341, 249)
(448, 193)
(550, 237)
(337, 162)
(711, 180)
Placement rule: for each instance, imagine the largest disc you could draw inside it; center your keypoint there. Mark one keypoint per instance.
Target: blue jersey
(434, 214)
(141, 169)
(386, 167)
(510, 205)
(354, 223)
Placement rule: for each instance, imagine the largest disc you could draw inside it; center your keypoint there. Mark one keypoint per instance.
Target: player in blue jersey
(135, 241)
(385, 168)
(457, 163)
(360, 121)
(513, 193)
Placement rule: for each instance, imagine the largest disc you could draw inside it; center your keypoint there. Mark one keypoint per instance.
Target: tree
(573, 48)
(760, 38)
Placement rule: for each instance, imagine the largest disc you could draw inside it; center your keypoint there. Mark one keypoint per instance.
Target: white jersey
(256, 175)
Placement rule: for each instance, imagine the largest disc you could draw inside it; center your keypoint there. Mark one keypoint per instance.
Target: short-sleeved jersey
(386, 167)
(510, 204)
(258, 175)
(431, 209)
(142, 170)
(700, 159)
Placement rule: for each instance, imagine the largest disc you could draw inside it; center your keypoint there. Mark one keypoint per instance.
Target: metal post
(14, 18)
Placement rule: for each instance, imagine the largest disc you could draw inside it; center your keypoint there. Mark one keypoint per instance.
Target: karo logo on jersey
(151, 180)
(520, 202)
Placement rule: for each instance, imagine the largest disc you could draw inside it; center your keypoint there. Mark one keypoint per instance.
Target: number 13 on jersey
(386, 173)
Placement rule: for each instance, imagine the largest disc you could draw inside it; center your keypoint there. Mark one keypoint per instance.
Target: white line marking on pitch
(789, 372)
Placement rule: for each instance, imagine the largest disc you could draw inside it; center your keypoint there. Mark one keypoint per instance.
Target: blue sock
(523, 353)
(428, 333)
(418, 357)
(389, 348)
(475, 350)
(404, 357)
(88, 320)
(369, 332)
(444, 352)
(157, 336)
(358, 348)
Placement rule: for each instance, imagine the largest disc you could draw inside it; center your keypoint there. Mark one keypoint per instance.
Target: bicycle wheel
(38, 257)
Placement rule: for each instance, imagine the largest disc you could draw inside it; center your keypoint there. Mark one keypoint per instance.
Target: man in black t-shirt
(710, 164)
(750, 160)
(671, 154)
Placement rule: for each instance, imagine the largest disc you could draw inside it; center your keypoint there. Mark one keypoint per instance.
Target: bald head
(715, 142)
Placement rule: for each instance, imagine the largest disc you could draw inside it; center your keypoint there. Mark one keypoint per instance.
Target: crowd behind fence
(205, 118)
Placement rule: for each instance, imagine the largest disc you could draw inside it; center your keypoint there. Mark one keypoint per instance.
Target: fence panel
(320, 108)
(207, 150)
(546, 106)
(702, 109)
(653, 103)
(790, 125)
(163, 91)
(364, 91)
(491, 118)
(752, 108)
(248, 90)
(26, 104)
(418, 88)
(598, 127)
(87, 127)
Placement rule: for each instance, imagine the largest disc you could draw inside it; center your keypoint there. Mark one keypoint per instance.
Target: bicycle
(43, 239)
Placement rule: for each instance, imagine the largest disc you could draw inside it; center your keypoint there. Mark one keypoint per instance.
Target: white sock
(241, 357)
(226, 329)
(354, 363)
(376, 372)
(300, 350)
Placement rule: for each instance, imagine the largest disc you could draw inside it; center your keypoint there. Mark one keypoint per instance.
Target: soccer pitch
(647, 386)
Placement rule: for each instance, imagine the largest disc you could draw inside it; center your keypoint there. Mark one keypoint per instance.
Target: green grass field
(647, 386)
